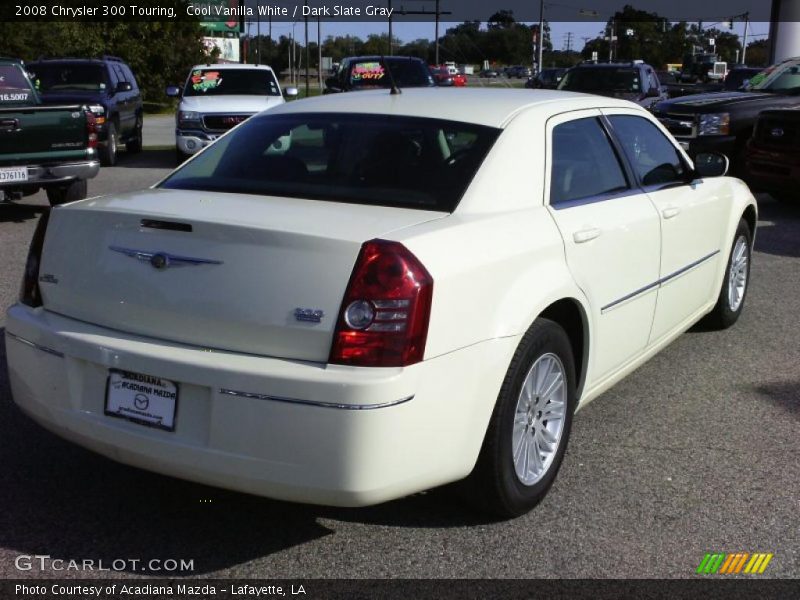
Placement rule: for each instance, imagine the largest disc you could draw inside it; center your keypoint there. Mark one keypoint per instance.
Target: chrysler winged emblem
(164, 260)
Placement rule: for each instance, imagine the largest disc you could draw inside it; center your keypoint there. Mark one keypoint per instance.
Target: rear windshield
(406, 73)
(226, 82)
(606, 79)
(14, 87)
(69, 77)
(364, 159)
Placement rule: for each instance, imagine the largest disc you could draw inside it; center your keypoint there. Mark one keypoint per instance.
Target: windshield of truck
(57, 77)
(373, 159)
(602, 79)
(231, 82)
(14, 87)
(783, 78)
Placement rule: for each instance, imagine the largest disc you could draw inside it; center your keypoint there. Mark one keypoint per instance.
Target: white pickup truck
(217, 97)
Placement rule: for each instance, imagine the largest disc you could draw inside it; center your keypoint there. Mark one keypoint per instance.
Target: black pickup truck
(724, 121)
(50, 147)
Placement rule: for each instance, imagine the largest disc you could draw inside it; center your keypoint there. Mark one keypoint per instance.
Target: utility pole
(391, 45)
(541, 37)
(305, 18)
(319, 53)
(568, 41)
(437, 12)
(744, 41)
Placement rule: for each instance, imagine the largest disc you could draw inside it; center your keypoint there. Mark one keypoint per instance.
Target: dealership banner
(225, 15)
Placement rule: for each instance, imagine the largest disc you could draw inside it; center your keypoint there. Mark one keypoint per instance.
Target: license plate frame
(145, 400)
(6, 174)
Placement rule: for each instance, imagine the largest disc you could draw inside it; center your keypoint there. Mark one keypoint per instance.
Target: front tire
(737, 277)
(530, 425)
(75, 190)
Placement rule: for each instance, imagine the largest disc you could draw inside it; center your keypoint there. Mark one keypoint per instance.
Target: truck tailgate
(42, 134)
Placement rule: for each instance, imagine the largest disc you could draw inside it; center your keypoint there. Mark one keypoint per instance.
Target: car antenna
(395, 90)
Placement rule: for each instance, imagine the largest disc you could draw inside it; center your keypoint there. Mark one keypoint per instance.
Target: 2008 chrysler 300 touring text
(352, 298)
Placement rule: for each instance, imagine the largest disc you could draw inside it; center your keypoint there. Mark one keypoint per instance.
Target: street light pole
(437, 32)
(541, 37)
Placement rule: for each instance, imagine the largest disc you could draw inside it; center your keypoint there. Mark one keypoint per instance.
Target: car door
(692, 213)
(124, 104)
(611, 236)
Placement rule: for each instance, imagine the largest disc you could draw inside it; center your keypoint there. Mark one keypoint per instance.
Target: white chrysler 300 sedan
(353, 298)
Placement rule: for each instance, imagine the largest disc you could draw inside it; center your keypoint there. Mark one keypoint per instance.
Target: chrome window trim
(336, 405)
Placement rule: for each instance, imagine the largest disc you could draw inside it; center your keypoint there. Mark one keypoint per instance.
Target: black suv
(107, 86)
(634, 81)
(370, 72)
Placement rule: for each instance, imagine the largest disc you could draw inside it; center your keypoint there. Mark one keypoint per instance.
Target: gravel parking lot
(695, 452)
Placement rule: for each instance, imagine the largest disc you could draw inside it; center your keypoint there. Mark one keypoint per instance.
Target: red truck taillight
(29, 292)
(91, 129)
(383, 321)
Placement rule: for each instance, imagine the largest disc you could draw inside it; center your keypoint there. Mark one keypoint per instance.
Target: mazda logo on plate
(141, 401)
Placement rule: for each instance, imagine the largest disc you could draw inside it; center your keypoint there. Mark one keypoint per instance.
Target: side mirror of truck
(123, 86)
(290, 92)
(173, 91)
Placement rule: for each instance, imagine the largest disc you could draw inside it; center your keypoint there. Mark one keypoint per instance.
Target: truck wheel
(75, 190)
(134, 145)
(108, 152)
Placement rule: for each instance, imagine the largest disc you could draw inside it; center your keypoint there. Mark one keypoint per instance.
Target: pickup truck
(723, 121)
(50, 147)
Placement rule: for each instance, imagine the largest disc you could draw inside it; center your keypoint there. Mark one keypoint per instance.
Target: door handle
(585, 235)
(671, 211)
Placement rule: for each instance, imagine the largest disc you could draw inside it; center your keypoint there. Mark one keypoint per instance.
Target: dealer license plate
(9, 174)
(144, 399)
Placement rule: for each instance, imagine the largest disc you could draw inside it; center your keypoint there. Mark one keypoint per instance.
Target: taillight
(29, 292)
(384, 317)
(91, 129)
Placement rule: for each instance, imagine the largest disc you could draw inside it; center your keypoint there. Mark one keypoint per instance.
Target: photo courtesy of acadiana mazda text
(352, 298)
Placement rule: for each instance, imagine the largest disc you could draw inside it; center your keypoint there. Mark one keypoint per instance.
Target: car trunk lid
(223, 271)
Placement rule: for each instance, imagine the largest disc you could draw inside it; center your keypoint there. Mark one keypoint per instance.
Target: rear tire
(736, 281)
(71, 192)
(134, 145)
(523, 448)
(108, 152)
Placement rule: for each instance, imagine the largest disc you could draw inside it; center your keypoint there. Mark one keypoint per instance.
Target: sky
(411, 31)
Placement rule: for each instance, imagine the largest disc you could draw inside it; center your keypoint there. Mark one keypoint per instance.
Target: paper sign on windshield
(202, 82)
(368, 71)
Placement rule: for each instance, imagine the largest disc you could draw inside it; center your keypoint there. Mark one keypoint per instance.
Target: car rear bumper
(44, 174)
(290, 430)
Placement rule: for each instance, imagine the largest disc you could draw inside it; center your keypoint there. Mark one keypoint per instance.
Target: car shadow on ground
(148, 158)
(19, 213)
(71, 504)
(779, 227)
(785, 394)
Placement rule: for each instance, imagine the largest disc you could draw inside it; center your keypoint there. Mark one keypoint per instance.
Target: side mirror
(331, 84)
(123, 86)
(290, 92)
(653, 92)
(711, 164)
(173, 91)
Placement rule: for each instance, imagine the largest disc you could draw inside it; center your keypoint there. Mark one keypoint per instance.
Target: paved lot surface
(695, 452)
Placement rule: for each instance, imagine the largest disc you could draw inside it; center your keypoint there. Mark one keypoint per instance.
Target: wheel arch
(570, 314)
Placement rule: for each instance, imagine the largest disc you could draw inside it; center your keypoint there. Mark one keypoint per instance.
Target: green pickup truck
(49, 147)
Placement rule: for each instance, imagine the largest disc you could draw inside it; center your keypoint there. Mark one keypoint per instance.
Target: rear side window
(363, 159)
(373, 74)
(584, 163)
(654, 158)
(63, 77)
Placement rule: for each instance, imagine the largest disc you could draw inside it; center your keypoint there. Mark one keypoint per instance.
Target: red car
(444, 76)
